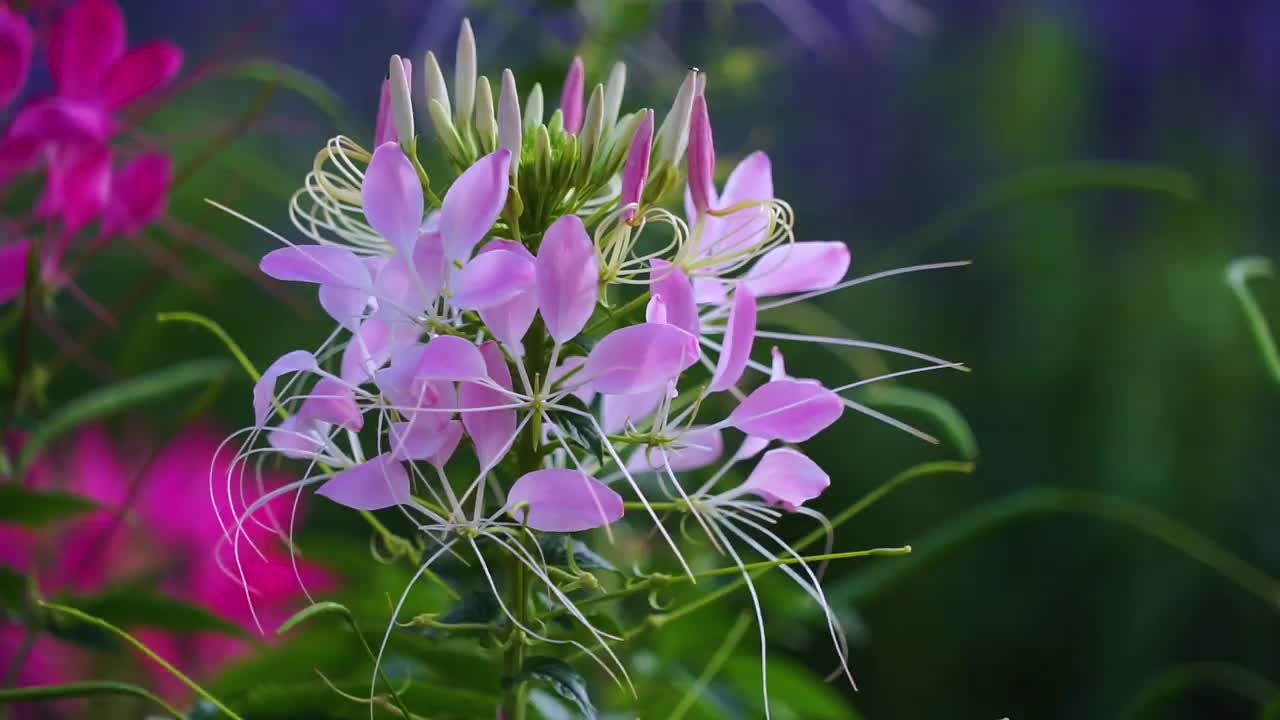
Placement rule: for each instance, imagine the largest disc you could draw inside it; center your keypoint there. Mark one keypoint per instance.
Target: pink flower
(160, 538)
(17, 42)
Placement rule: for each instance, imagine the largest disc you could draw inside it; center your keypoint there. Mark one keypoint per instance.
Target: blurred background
(1100, 162)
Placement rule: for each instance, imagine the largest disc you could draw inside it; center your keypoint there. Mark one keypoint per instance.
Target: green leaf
(578, 429)
(82, 689)
(136, 606)
(13, 589)
(795, 691)
(952, 423)
(561, 678)
(555, 548)
(317, 701)
(310, 611)
(31, 508)
(1239, 273)
(303, 83)
(115, 398)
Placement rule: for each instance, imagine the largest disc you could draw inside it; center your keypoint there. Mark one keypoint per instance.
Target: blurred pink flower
(153, 539)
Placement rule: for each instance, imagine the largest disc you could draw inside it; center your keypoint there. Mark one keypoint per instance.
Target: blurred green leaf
(578, 429)
(555, 549)
(291, 78)
(1239, 273)
(1158, 698)
(33, 508)
(116, 398)
(561, 678)
(13, 589)
(138, 606)
(82, 689)
(954, 427)
(316, 701)
(795, 691)
(313, 610)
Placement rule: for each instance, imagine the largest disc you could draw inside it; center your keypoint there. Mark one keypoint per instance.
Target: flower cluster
(68, 134)
(516, 349)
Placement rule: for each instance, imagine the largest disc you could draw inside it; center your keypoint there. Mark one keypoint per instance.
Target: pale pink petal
(420, 439)
(787, 478)
(636, 172)
(655, 311)
(739, 334)
(384, 127)
(798, 267)
(138, 194)
(452, 436)
(618, 410)
(16, 44)
(751, 446)
(563, 501)
(344, 304)
(323, 264)
(492, 431)
(697, 448)
(372, 346)
(333, 402)
(492, 278)
(702, 159)
(568, 278)
(13, 268)
(264, 389)
(639, 358)
(669, 283)
(392, 197)
(709, 291)
(448, 357)
(510, 321)
(572, 364)
(750, 181)
(380, 483)
(143, 70)
(84, 44)
(571, 97)
(295, 438)
(397, 381)
(473, 203)
(788, 410)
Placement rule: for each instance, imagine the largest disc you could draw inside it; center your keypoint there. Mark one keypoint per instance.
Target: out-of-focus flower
(139, 534)
(16, 44)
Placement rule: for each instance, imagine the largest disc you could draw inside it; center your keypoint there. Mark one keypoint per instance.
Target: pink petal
(750, 181)
(406, 284)
(669, 283)
(788, 410)
(448, 357)
(295, 438)
(473, 203)
(84, 44)
(702, 158)
(492, 278)
(786, 477)
(492, 431)
(344, 304)
(324, 264)
(697, 448)
(798, 267)
(333, 402)
(571, 97)
(655, 311)
(709, 291)
(16, 44)
(13, 268)
(636, 172)
(143, 70)
(420, 439)
(568, 278)
(139, 194)
(639, 358)
(618, 410)
(563, 501)
(78, 186)
(739, 334)
(510, 321)
(17, 156)
(751, 446)
(584, 392)
(380, 483)
(371, 347)
(392, 197)
(61, 120)
(452, 437)
(264, 389)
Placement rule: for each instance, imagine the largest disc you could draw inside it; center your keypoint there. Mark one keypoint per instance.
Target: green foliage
(35, 508)
(562, 679)
(137, 605)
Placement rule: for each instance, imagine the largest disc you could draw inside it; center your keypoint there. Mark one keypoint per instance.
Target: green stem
(1238, 275)
(141, 647)
(84, 689)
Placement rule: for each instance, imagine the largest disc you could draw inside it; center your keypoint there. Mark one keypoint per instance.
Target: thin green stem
(717, 661)
(1239, 273)
(141, 647)
(84, 689)
(611, 317)
(218, 332)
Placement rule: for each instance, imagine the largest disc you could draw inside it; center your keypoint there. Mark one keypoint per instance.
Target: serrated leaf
(136, 606)
(33, 508)
(561, 678)
(555, 549)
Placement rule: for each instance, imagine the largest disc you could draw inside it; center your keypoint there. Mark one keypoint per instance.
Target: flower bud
(533, 106)
(702, 158)
(571, 97)
(593, 124)
(637, 168)
(673, 136)
(613, 91)
(401, 104)
(464, 75)
(510, 132)
(436, 89)
(486, 125)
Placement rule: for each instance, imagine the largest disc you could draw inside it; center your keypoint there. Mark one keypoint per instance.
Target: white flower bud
(401, 104)
(464, 75)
